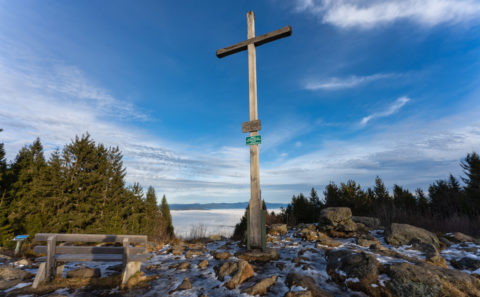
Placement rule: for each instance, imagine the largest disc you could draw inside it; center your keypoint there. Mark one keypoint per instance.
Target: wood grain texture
(256, 41)
(41, 249)
(92, 237)
(251, 126)
(50, 265)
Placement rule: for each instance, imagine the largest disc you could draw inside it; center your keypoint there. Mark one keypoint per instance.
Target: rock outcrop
(358, 271)
(84, 272)
(278, 229)
(258, 255)
(427, 280)
(261, 287)
(294, 279)
(369, 222)
(337, 221)
(244, 272)
(10, 276)
(400, 234)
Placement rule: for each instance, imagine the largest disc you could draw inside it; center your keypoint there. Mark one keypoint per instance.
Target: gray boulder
(278, 229)
(338, 219)
(84, 272)
(369, 222)
(401, 234)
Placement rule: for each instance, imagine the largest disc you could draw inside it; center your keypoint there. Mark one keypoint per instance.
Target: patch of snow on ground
(18, 286)
(461, 250)
(382, 278)
(352, 279)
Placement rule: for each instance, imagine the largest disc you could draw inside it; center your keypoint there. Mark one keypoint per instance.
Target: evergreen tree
(446, 197)
(380, 191)
(6, 232)
(27, 193)
(471, 167)
(332, 195)
(166, 218)
(422, 201)
(152, 215)
(403, 199)
(316, 206)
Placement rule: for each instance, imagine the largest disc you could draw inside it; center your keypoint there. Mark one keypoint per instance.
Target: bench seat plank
(98, 257)
(92, 237)
(42, 249)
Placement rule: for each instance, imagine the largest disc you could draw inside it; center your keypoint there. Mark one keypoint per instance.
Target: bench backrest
(92, 237)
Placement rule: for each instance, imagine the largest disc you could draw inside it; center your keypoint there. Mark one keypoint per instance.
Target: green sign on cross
(252, 140)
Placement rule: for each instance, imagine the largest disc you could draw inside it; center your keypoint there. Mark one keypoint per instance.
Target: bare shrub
(197, 232)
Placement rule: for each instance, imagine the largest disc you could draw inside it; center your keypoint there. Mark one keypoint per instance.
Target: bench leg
(60, 270)
(41, 275)
(130, 269)
(51, 246)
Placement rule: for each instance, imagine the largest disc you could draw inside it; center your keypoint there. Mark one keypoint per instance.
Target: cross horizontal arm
(259, 40)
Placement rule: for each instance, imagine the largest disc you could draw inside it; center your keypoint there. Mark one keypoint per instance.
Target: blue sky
(360, 89)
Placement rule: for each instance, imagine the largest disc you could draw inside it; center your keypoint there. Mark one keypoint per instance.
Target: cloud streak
(393, 108)
(336, 83)
(372, 13)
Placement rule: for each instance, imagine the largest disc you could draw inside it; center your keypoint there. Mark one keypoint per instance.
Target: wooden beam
(50, 265)
(257, 41)
(251, 126)
(76, 250)
(91, 237)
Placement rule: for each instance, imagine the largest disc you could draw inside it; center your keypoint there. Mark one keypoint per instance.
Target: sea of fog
(214, 221)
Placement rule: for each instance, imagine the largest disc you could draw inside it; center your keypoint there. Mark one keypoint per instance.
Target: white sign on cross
(255, 221)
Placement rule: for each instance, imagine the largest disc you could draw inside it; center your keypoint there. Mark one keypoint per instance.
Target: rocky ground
(340, 256)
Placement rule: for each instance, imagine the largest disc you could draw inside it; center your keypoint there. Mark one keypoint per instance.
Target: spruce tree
(471, 167)
(27, 193)
(166, 218)
(6, 231)
(152, 215)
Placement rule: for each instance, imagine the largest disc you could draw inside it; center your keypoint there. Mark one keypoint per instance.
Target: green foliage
(240, 231)
(166, 218)
(80, 189)
(447, 201)
(305, 210)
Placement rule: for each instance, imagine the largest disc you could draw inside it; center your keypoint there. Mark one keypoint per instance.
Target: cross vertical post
(255, 206)
(256, 223)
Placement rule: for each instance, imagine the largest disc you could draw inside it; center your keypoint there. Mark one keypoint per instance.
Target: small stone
(278, 229)
(244, 272)
(22, 262)
(258, 255)
(191, 253)
(183, 265)
(203, 264)
(261, 287)
(10, 273)
(222, 255)
(84, 272)
(185, 285)
(225, 269)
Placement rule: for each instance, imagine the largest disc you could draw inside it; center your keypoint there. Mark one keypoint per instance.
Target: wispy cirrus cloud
(393, 108)
(336, 83)
(370, 13)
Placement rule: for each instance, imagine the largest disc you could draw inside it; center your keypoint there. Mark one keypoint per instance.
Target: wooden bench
(131, 257)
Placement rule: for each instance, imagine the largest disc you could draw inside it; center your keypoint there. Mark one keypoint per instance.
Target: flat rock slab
(258, 255)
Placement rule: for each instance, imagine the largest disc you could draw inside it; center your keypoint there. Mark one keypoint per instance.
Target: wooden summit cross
(256, 226)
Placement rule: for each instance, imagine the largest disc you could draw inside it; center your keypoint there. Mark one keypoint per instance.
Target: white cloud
(396, 106)
(336, 83)
(55, 102)
(399, 156)
(371, 13)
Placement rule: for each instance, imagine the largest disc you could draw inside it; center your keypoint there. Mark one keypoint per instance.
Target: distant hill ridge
(208, 206)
